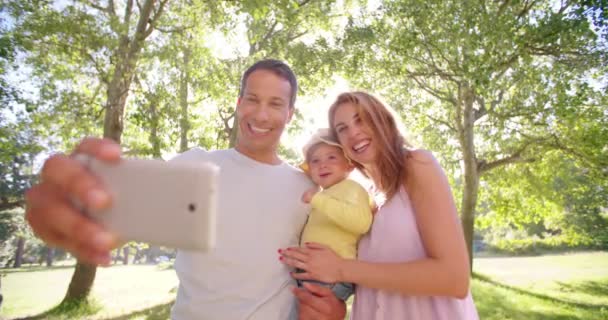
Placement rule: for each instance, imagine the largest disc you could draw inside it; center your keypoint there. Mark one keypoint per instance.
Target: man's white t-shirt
(259, 211)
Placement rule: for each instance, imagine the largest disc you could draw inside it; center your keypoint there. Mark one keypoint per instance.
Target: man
(259, 212)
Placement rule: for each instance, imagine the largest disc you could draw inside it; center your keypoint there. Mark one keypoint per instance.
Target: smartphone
(161, 203)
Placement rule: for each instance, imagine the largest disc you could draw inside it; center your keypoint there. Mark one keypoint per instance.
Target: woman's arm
(446, 270)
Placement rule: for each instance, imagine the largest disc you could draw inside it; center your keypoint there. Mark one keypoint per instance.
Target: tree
(96, 38)
(488, 86)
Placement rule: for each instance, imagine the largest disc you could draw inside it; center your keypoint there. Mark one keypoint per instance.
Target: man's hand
(319, 303)
(50, 208)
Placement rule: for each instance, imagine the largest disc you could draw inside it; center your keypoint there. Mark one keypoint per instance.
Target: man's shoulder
(200, 154)
(297, 175)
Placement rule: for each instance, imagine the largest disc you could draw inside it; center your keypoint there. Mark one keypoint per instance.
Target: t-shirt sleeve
(194, 154)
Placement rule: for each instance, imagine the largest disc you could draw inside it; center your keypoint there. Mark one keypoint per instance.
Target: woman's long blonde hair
(392, 146)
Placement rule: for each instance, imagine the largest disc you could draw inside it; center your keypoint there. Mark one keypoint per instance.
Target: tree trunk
(153, 137)
(19, 252)
(153, 252)
(233, 132)
(126, 57)
(125, 255)
(470, 174)
(183, 100)
(50, 252)
(81, 283)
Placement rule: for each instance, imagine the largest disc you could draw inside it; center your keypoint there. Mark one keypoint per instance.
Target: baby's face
(328, 165)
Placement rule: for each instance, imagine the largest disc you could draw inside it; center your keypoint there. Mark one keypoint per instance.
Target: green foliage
(551, 203)
(19, 149)
(534, 245)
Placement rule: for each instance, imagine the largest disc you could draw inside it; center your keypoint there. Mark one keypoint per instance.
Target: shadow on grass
(81, 311)
(69, 310)
(586, 306)
(594, 288)
(495, 303)
(35, 268)
(161, 311)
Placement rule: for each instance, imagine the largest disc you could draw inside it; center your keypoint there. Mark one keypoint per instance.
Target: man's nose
(261, 113)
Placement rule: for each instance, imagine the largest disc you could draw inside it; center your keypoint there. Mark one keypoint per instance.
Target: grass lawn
(566, 286)
(118, 290)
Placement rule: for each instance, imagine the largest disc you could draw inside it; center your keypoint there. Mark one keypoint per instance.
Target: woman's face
(354, 134)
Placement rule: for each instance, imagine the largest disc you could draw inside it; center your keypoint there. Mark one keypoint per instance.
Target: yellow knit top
(340, 215)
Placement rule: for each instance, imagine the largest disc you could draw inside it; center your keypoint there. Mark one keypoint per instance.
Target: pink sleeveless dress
(394, 237)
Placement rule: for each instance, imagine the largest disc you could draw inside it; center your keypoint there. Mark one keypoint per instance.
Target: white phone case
(162, 203)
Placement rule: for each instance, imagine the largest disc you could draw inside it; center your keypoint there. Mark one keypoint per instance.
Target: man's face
(263, 111)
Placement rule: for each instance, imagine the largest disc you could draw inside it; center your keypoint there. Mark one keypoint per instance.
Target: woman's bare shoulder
(421, 164)
(418, 157)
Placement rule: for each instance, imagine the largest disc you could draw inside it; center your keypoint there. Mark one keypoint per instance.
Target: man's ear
(290, 115)
(238, 101)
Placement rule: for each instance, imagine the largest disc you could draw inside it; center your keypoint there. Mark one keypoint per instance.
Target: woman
(413, 263)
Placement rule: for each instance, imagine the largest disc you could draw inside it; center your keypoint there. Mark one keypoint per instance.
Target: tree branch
(111, 8)
(526, 9)
(100, 8)
(435, 93)
(154, 20)
(128, 12)
(101, 73)
(297, 35)
(484, 166)
(256, 46)
(303, 3)
(428, 46)
(449, 125)
(481, 111)
(174, 30)
(502, 8)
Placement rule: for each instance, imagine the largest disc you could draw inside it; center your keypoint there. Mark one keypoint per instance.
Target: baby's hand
(308, 194)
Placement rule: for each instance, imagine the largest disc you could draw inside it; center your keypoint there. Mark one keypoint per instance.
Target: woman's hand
(319, 262)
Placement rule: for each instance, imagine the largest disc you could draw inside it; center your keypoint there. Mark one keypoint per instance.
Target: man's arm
(319, 303)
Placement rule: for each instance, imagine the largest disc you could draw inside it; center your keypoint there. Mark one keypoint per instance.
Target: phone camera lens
(191, 207)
